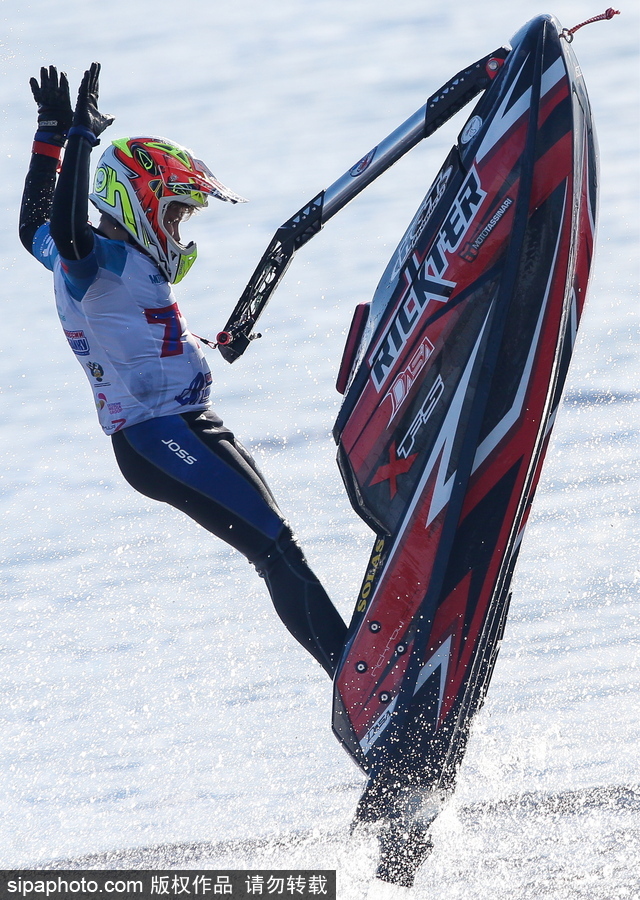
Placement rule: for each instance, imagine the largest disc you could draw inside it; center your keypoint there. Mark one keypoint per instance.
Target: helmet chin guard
(135, 182)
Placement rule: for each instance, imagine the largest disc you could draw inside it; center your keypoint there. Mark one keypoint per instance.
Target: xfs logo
(425, 281)
(177, 449)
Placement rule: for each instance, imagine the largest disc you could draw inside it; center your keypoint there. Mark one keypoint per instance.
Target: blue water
(154, 712)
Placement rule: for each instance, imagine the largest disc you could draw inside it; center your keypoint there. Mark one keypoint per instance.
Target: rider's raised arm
(70, 229)
(54, 120)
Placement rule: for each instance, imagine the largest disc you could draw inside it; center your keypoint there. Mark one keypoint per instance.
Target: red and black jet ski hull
(451, 397)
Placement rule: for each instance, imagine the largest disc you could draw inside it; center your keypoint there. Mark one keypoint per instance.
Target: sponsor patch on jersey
(47, 247)
(78, 342)
(197, 392)
(96, 370)
(114, 409)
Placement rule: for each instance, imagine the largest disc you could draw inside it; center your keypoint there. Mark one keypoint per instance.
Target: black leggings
(195, 464)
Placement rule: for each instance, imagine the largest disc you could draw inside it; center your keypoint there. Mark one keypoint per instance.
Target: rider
(150, 380)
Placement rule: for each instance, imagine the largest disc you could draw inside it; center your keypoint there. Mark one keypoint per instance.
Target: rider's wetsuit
(151, 386)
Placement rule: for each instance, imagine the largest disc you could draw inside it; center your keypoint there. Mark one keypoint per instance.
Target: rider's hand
(87, 116)
(54, 107)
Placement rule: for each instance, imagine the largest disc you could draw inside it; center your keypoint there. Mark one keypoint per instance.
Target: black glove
(87, 120)
(54, 107)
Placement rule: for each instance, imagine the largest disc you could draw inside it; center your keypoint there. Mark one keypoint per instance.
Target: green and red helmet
(135, 182)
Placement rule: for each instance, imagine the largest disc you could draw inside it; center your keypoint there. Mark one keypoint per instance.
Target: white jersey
(123, 324)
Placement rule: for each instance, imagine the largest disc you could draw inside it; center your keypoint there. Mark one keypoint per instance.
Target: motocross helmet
(136, 181)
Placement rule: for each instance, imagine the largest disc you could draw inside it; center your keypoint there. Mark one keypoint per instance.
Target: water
(154, 712)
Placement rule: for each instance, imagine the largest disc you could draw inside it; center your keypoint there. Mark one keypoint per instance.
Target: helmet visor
(218, 189)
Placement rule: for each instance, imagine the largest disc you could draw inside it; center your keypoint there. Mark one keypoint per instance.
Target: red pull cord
(568, 33)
